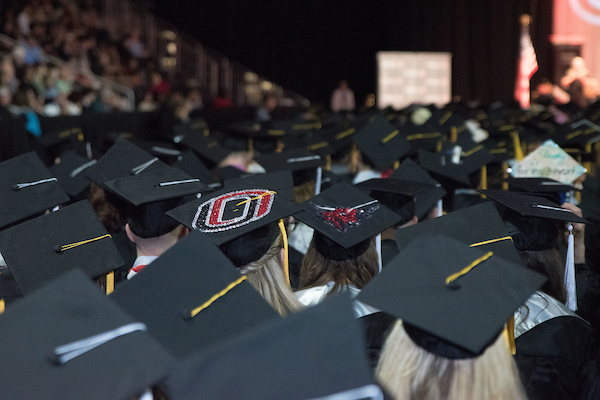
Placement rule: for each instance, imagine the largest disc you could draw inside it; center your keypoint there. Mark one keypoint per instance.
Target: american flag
(527, 67)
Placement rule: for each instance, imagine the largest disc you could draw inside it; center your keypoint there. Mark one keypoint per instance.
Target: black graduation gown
(389, 249)
(376, 327)
(552, 357)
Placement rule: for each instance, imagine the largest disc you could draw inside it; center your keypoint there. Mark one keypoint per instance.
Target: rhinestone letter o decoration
(253, 204)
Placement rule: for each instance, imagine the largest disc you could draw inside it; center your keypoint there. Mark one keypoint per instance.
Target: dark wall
(308, 45)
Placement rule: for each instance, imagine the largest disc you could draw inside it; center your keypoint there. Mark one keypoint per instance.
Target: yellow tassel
(517, 145)
(484, 177)
(396, 164)
(2, 306)
(286, 266)
(469, 267)
(453, 134)
(509, 335)
(110, 282)
(222, 293)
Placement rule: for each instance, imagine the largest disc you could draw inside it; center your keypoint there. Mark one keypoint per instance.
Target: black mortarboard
(208, 147)
(539, 185)
(124, 362)
(339, 137)
(280, 181)
(454, 300)
(381, 143)
(43, 248)
(531, 219)
(70, 173)
(293, 160)
(316, 353)
(478, 226)
(424, 200)
(59, 141)
(166, 151)
(194, 127)
(192, 296)
(121, 160)
(300, 161)
(193, 166)
(442, 168)
(163, 183)
(234, 211)
(577, 134)
(345, 219)
(422, 136)
(27, 188)
(397, 195)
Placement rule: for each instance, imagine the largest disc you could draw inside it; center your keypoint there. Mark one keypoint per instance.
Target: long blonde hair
(267, 276)
(409, 372)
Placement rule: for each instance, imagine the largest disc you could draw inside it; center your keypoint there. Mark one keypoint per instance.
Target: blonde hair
(409, 372)
(267, 276)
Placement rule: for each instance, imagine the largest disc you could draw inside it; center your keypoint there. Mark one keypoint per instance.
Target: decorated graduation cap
(121, 160)
(397, 195)
(548, 161)
(27, 187)
(70, 341)
(244, 220)
(43, 248)
(425, 200)
(316, 353)
(345, 219)
(432, 285)
(381, 143)
(192, 297)
(477, 226)
(69, 172)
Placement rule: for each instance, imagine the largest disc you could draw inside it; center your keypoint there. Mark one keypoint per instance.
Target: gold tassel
(110, 282)
(453, 134)
(517, 145)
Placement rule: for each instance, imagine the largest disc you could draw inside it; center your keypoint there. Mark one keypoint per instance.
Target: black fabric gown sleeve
(553, 356)
(588, 294)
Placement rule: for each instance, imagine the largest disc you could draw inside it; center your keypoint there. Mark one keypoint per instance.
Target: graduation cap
(194, 127)
(423, 136)
(442, 167)
(425, 200)
(43, 248)
(316, 353)
(192, 297)
(121, 160)
(163, 183)
(70, 341)
(300, 161)
(539, 185)
(381, 143)
(578, 134)
(548, 161)
(433, 284)
(280, 181)
(531, 218)
(478, 226)
(57, 142)
(27, 188)
(69, 172)
(339, 137)
(397, 195)
(189, 163)
(345, 219)
(208, 147)
(165, 151)
(234, 211)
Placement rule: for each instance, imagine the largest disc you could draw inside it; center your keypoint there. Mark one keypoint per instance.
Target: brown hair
(409, 372)
(107, 209)
(267, 276)
(317, 270)
(550, 264)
